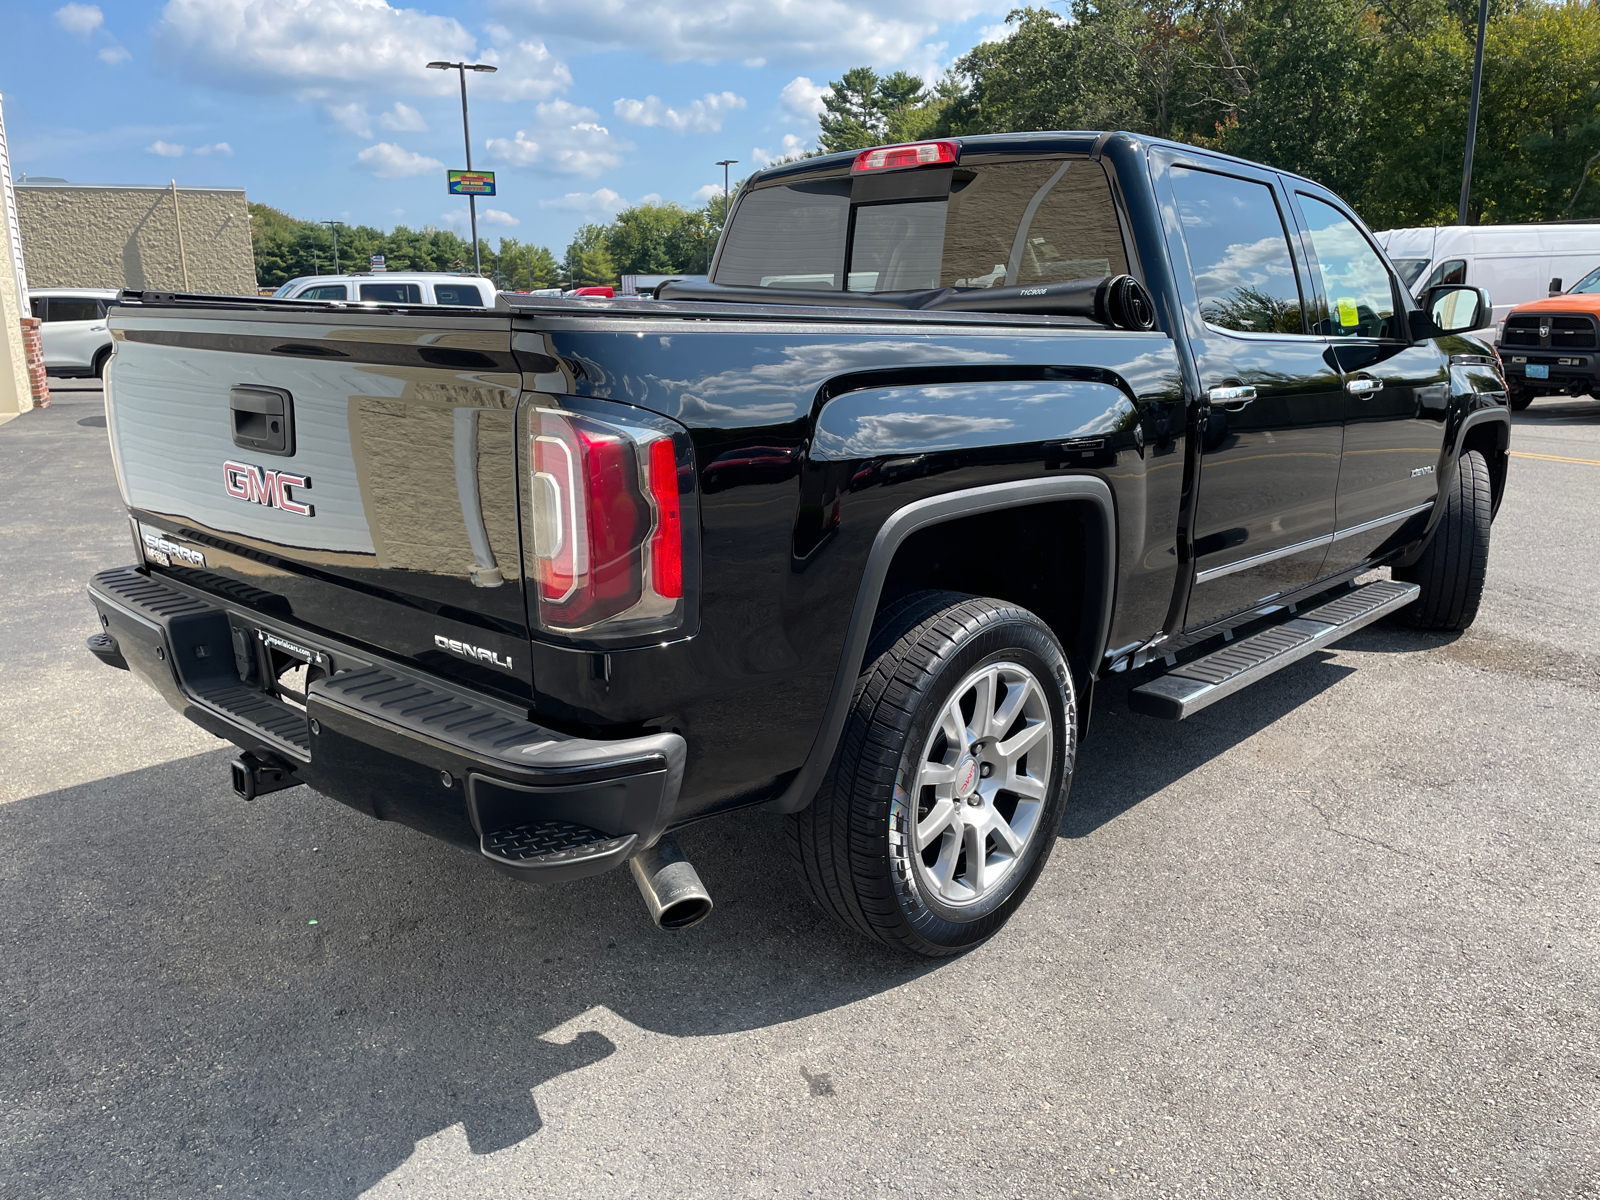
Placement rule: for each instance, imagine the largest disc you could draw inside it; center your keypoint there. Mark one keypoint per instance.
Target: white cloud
(996, 33)
(703, 195)
(790, 148)
(879, 32)
(602, 202)
(802, 99)
(496, 216)
(220, 149)
(352, 116)
(404, 119)
(388, 161)
(112, 55)
(324, 48)
(82, 19)
(164, 149)
(698, 116)
(568, 138)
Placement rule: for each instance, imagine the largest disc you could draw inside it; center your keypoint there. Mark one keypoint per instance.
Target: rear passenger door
(1396, 393)
(1271, 424)
(74, 328)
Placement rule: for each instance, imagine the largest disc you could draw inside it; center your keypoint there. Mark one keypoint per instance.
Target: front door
(1397, 393)
(1269, 458)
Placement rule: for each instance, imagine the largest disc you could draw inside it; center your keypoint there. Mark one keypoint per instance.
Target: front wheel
(1452, 567)
(942, 803)
(1518, 398)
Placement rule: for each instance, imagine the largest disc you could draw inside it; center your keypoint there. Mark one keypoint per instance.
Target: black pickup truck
(851, 530)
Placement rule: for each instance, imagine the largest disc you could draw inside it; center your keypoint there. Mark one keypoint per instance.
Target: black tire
(1452, 566)
(1519, 398)
(100, 361)
(854, 844)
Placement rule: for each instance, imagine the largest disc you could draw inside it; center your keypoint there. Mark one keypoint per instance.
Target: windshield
(1410, 269)
(1589, 283)
(1000, 224)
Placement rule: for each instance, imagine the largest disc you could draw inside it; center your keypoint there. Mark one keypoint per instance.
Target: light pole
(334, 226)
(725, 164)
(466, 129)
(1472, 112)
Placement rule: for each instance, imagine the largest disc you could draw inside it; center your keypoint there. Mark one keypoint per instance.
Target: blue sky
(323, 107)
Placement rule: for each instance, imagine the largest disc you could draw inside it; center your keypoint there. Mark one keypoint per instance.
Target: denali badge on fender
(467, 650)
(260, 486)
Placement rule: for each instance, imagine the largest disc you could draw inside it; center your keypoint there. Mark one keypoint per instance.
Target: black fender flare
(919, 515)
(1449, 458)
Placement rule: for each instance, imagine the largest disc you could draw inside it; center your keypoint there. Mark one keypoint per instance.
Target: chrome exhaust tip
(670, 886)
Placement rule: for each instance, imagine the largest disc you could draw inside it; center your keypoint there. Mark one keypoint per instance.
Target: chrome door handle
(1363, 387)
(1231, 398)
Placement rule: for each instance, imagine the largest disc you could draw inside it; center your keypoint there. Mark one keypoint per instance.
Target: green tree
(588, 262)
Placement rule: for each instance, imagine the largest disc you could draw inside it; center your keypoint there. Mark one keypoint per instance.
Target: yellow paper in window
(1348, 315)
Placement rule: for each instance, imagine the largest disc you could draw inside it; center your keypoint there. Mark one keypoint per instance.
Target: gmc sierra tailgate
(352, 469)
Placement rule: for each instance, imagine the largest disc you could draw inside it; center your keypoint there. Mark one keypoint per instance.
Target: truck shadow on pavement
(283, 998)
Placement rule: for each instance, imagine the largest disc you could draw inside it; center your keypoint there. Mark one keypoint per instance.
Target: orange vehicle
(1552, 346)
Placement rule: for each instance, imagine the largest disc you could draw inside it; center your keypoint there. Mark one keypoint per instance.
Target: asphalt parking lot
(1334, 937)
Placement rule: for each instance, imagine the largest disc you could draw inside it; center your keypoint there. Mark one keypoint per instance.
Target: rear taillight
(607, 527)
(911, 154)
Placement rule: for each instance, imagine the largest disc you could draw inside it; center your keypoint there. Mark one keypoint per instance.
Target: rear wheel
(942, 804)
(1452, 567)
(100, 361)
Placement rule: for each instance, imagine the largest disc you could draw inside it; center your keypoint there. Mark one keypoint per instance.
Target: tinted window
(37, 303)
(1359, 295)
(1239, 253)
(1454, 271)
(1410, 269)
(896, 246)
(325, 291)
(392, 293)
(463, 294)
(791, 236)
(65, 308)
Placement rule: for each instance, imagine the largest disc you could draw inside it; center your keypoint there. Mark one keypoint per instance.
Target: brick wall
(33, 347)
(114, 237)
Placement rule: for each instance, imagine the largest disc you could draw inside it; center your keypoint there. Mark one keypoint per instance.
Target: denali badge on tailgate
(260, 486)
(467, 650)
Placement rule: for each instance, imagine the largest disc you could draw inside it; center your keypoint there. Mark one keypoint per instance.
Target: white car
(76, 340)
(394, 287)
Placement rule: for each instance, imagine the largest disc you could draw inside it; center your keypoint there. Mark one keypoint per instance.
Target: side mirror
(1555, 286)
(1455, 308)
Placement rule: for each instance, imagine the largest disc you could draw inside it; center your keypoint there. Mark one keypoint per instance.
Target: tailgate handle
(263, 419)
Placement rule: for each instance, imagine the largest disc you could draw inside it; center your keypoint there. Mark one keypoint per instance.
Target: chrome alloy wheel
(981, 783)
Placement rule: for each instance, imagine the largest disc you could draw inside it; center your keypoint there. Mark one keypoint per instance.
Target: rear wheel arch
(1083, 500)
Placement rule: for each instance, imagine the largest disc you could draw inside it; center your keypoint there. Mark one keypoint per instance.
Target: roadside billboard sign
(471, 183)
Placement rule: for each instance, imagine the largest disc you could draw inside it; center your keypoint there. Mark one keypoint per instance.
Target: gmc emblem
(260, 486)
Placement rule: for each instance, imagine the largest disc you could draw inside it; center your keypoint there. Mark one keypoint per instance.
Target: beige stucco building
(166, 238)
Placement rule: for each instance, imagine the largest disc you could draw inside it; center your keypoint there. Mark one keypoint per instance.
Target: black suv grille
(1566, 333)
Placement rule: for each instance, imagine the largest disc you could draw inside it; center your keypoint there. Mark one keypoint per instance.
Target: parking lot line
(1588, 462)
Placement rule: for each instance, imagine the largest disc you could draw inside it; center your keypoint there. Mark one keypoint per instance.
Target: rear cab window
(325, 291)
(970, 226)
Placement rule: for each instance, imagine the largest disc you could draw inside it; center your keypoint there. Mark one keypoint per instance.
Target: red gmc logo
(260, 486)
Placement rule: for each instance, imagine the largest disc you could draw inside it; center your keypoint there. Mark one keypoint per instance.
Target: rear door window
(462, 295)
(392, 293)
(325, 291)
(1239, 254)
(71, 308)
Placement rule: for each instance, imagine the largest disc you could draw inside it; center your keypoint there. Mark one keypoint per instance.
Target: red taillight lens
(666, 544)
(912, 154)
(607, 525)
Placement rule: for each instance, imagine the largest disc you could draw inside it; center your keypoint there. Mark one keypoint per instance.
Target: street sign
(471, 183)
(377, 263)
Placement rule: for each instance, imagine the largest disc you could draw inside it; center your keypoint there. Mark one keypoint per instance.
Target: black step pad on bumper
(1187, 689)
(395, 743)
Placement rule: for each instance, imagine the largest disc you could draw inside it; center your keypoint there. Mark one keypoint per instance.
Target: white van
(73, 329)
(1513, 263)
(394, 287)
